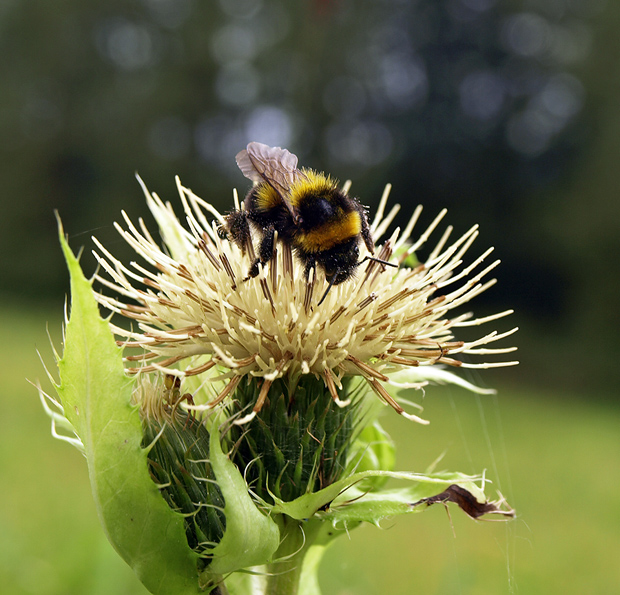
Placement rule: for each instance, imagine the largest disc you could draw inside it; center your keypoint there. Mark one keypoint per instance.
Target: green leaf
(251, 538)
(373, 508)
(375, 450)
(354, 505)
(362, 506)
(96, 397)
(307, 505)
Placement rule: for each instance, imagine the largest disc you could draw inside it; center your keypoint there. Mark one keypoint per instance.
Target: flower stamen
(331, 386)
(383, 394)
(192, 304)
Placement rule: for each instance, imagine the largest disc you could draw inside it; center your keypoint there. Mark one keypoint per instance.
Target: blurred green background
(506, 112)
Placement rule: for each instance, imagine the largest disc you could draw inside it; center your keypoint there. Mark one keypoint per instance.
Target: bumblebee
(322, 224)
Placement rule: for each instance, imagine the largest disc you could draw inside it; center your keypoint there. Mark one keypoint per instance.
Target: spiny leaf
(96, 396)
(342, 493)
(251, 538)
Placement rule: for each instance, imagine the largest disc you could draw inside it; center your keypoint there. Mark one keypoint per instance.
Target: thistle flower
(197, 310)
(275, 447)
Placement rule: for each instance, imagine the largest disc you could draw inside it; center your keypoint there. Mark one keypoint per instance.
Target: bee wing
(274, 165)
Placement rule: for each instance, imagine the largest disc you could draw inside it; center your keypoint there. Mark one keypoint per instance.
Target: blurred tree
(478, 105)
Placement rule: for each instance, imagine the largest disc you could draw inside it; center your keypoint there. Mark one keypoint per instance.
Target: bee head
(341, 262)
(338, 276)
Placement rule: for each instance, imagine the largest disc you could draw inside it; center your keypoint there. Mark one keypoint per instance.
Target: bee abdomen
(332, 233)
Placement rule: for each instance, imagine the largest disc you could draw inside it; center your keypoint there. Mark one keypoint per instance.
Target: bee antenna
(391, 264)
(331, 283)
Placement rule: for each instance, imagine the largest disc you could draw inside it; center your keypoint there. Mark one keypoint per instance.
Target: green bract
(96, 396)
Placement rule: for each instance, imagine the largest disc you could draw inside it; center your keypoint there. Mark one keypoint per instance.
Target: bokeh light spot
(244, 9)
(482, 94)
(526, 34)
(365, 143)
(170, 13)
(127, 45)
(562, 96)
(270, 125)
(403, 81)
(237, 83)
(218, 137)
(234, 42)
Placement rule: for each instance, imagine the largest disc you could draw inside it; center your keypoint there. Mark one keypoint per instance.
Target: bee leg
(265, 251)
(254, 270)
(237, 229)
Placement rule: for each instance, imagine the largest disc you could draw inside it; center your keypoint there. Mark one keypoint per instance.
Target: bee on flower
(293, 285)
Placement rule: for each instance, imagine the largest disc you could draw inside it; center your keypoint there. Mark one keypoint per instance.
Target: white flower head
(195, 307)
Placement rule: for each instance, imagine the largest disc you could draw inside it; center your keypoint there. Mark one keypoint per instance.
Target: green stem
(309, 582)
(286, 571)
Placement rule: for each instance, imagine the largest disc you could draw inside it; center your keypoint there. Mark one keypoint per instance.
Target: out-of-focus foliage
(489, 107)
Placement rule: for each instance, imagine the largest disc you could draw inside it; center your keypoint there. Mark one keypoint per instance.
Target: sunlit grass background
(556, 458)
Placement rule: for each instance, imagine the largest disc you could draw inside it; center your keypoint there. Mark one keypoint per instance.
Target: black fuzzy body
(305, 223)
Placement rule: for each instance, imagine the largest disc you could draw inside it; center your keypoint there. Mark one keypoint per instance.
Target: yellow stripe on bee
(311, 182)
(267, 197)
(330, 234)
